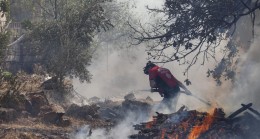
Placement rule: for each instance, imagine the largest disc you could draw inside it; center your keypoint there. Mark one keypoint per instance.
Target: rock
(130, 96)
(64, 123)
(149, 99)
(88, 117)
(45, 109)
(73, 108)
(94, 100)
(57, 108)
(136, 106)
(54, 114)
(109, 113)
(35, 101)
(15, 100)
(52, 107)
(52, 117)
(8, 114)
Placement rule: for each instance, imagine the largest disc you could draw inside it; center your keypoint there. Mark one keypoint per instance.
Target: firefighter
(162, 81)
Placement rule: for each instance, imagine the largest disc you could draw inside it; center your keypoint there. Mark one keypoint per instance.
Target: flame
(185, 125)
(198, 130)
(163, 134)
(149, 124)
(152, 122)
(174, 136)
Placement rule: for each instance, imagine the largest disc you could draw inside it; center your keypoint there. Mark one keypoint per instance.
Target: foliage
(226, 68)
(5, 75)
(9, 81)
(12, 86)
(5, 7)
(27, 25)
(63, 39)
(4, 40)
(4, 34)
(119, 14)
(191, 30)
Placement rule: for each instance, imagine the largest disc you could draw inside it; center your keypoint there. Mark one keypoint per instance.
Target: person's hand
(154, 90)
(187, 92)
(162, 95)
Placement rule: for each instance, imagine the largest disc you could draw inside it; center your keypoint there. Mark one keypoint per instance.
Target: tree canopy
(191, 30)
(63, 38)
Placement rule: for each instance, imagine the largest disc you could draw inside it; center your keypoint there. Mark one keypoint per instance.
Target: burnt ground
(36, 109)
(192, 124)
(31, 128)
(33, 108)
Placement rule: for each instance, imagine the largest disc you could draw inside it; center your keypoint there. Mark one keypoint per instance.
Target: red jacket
(163, 78)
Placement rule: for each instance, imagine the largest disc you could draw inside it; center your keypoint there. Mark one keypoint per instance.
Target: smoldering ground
(121, 131)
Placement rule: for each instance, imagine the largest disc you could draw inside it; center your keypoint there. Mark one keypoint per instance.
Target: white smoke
(120, 131)
(119, 71)
(246, 89)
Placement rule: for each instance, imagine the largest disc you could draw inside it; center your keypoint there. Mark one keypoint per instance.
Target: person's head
(148, 66)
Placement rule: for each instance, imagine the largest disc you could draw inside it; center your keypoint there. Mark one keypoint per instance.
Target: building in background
(17, 56)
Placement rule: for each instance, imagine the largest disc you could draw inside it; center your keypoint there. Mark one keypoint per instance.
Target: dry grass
(33, 128)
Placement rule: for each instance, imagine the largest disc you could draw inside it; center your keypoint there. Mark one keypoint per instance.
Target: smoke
(246, 89)
(120, 131)
(119, 71)
(115, 73)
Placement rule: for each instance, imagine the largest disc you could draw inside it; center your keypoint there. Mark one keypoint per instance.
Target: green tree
(4, 34)
(63, 39)
(4, 40)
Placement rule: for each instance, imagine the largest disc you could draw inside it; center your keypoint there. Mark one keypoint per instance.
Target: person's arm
(183, 87)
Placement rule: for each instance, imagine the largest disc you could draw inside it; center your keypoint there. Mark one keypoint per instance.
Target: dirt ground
(24, 125)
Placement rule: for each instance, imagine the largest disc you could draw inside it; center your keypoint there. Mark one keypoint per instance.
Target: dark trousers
(170, 99)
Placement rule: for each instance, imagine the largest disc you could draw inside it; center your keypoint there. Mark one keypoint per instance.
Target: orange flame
(173, 136)
(150, 124)
(197, 130)
(185, 125)
(163, 134)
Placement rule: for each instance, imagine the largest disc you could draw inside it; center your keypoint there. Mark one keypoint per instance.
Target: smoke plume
(246, 89)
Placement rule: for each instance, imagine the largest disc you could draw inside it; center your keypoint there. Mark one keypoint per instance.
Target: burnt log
(252, 110)
(237, 112)
(182, 125)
